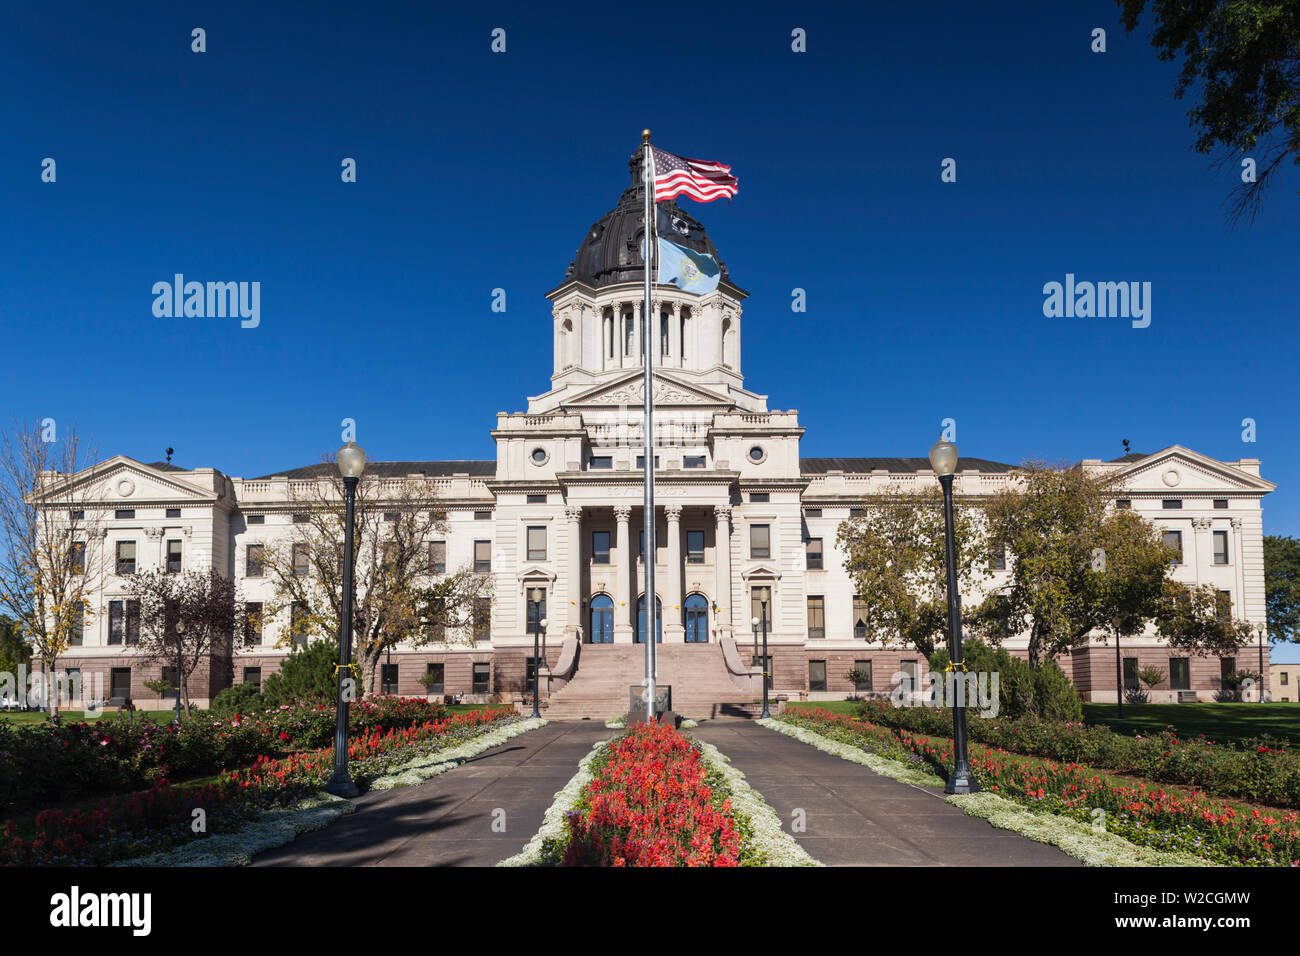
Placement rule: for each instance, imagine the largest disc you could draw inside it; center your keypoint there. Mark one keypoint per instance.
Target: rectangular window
(300, 559)
(908, 668)
(859, 617)
(862, 677)
(173, 556)
(760, 542)
(437, 681)
(814, 551)
(816, 616)
(694, 547)
(169, 676)
(1284, 678)
(1221, 504)
(1224, 605)
(173, 512)
(436, 624)
(79, 557)
(1131, 673)
(482, 555)
(999, 560)
(125, 558)
(1227, 668)
(256, 519)
(857, 512)
(253, 675)
(1179, 674)
(77, 514)
(759, 498)
(530, 672)
(298, 625)
(1172, 504)
(119, 683)
(1220, 547)
(693, 461)
(482, 622)
(132, 622)
(388, 679)
(78, 624)
(663, 333)
(252, 623)
(536, 543)
(438, 557)
(124, 514)
(812, 512)
(116, 622)
(600, 547)
(301, 518)
(535, 611)
(482, 516)
(390, 516)
(482, 679)
(760, 601)
(537, 499)
(600, 462)
(816, 675)
(640, 461)
(1174, 539)
(1123, 503)
(255, 561)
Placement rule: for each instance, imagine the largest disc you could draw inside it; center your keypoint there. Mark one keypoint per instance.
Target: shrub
(1015, 684)
(238, 699)
(1055, 697)
(307, 675)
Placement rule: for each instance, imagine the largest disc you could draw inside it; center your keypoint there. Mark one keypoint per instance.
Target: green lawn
(23, 718)
(1221, 722)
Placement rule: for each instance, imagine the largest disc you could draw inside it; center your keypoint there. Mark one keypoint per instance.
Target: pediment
(1178, 470)
(122, 481)
(630, 390)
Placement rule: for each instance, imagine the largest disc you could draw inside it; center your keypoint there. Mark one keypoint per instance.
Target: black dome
(611, 251)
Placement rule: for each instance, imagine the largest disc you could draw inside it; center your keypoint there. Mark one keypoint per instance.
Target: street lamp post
(180, 630)
(1262, 631)
(943, 459)
(352, 462)
(756, 624)
(535, 595)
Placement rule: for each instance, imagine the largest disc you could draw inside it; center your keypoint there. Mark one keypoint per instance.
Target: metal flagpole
(648, 635)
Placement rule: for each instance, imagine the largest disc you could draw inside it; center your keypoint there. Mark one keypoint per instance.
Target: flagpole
(650, 632)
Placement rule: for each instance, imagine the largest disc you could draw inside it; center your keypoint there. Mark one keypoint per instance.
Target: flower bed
(161, 818)
(652, 802)
(1261, 770)
(1142, 813)
(48, 763)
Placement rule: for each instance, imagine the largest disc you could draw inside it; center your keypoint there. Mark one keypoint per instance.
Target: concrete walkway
(448, 821)
(855, 817)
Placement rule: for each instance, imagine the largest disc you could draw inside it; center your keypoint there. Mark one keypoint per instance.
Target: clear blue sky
(478, 171)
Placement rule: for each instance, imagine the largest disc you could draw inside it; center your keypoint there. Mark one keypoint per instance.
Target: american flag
(700, 179)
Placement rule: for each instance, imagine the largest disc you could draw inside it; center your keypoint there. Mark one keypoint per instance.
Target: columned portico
(623, 576)
(674, 631)
(574, 586)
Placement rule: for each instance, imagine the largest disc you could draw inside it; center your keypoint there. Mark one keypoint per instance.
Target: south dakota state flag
(687, 269)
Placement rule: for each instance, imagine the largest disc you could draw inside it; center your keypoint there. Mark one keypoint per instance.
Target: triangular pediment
(1180, 470)
(630, 390)
(122, 481)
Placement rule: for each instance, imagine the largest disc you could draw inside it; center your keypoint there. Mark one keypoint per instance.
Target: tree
(1282, 587)
(1077, 565)
(1244, 57)
(14, 651)
(894, 553)
(398, 598)
(1199, 620)
(205, 604)
(50, 536)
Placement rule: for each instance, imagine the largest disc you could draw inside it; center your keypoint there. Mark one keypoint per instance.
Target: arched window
(697, 619)
(602, 619)
(640, 620)
(726, 342)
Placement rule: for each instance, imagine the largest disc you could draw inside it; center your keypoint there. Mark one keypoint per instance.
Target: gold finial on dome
(645, 136)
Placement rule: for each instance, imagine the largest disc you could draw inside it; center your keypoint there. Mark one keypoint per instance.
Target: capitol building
(745, 526)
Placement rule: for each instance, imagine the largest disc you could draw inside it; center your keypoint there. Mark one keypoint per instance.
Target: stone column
(623, 577)
(1198, 525)
(674, 628)
(573, 628)
(638, 330)
(674, 334)
(722, 561)
(1239, 577)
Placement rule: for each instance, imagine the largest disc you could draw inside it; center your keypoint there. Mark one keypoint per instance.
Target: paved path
(448, 820)
(856, 817)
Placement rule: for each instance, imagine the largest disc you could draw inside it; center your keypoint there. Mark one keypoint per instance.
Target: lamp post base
(341, 785)
(962, 781)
